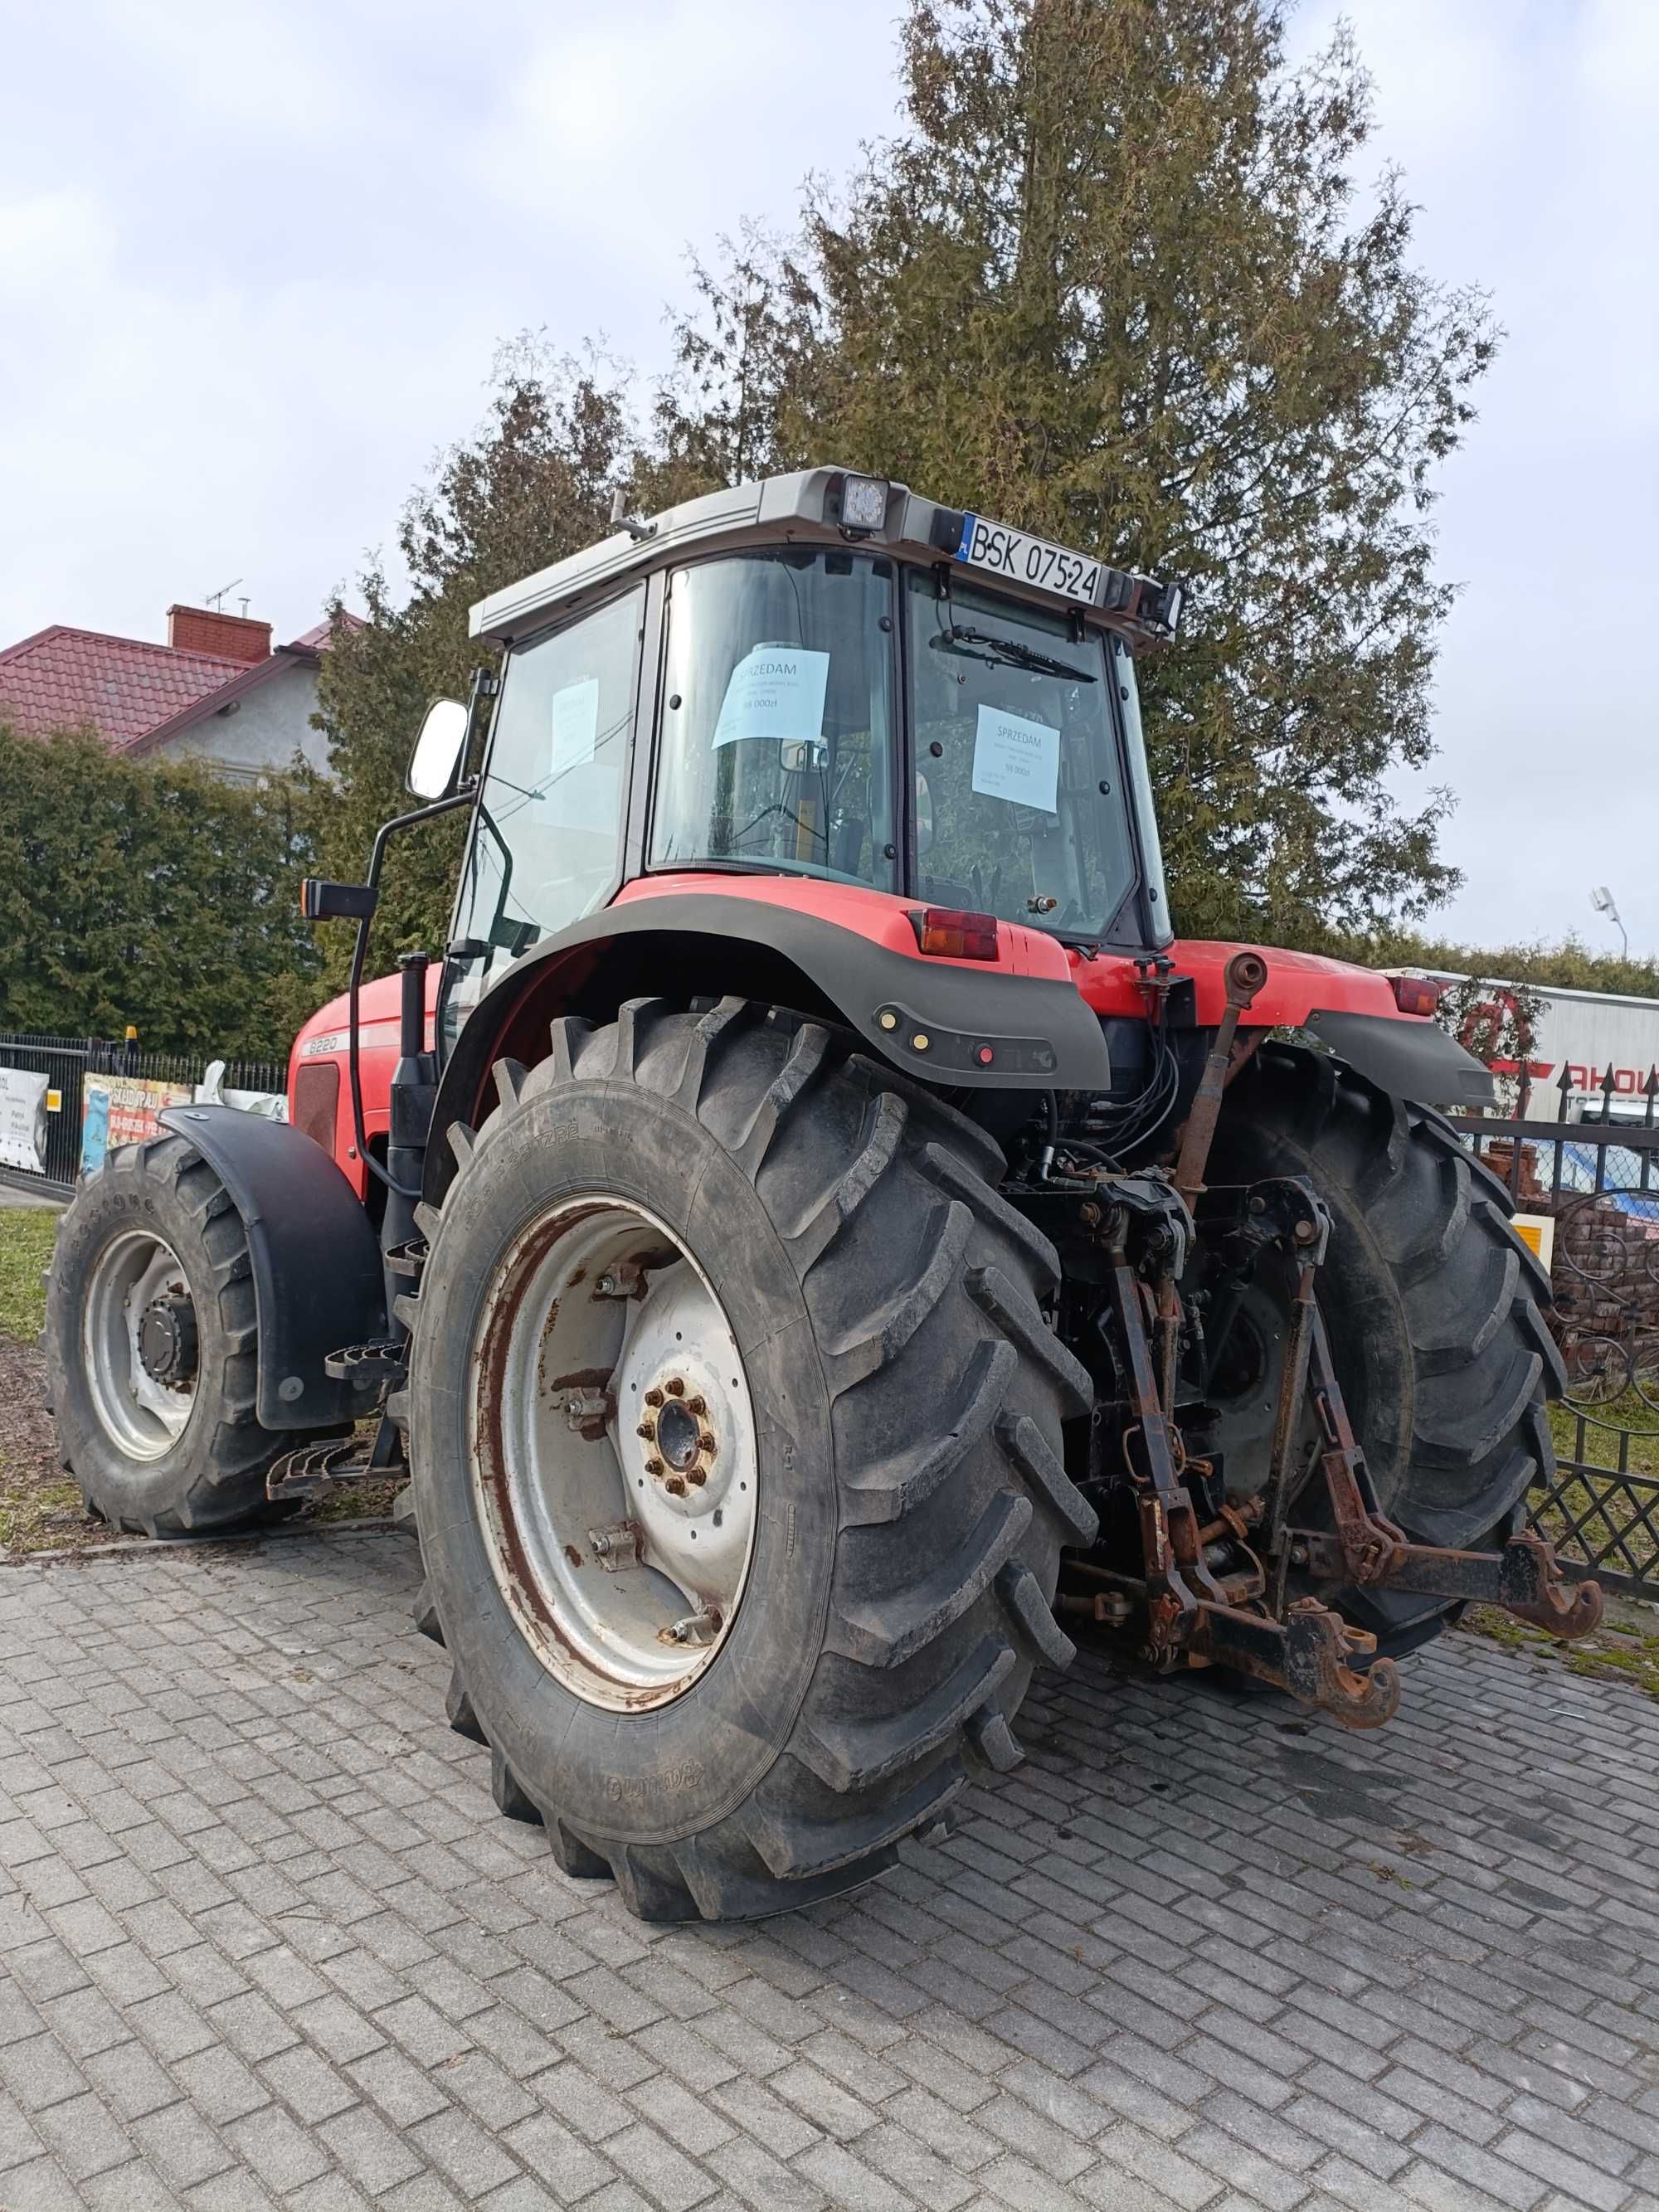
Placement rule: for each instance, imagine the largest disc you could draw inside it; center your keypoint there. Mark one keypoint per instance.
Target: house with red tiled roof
(218, 690)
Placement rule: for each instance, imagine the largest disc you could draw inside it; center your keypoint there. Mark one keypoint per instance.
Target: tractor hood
(1350, 1009)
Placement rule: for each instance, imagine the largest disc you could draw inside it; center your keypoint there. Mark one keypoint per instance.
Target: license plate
(1023, 559)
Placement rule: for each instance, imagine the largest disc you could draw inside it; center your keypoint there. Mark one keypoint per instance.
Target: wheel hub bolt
(653, 1467)
(674, 1387)
(645, 1430)
(653, 1397)
(675, 1485)
(695, 1406)
(707, 1442)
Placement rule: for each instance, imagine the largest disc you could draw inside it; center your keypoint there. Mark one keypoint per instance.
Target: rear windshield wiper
(960, 638)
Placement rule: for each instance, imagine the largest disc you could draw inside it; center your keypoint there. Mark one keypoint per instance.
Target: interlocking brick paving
(266, 1941)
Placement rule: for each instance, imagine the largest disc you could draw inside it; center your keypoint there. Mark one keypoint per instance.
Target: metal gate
(65, 1063)
(1595, 1184)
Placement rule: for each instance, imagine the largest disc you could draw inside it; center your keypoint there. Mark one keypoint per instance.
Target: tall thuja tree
(1114, 281)
(534, 485)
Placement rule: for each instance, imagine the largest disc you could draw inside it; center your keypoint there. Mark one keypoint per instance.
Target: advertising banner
(23, 1112)
(121, 1109)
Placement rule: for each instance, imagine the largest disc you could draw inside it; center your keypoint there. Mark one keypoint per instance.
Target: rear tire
(178, 1457)
(1432, 1303)
(908, 1396)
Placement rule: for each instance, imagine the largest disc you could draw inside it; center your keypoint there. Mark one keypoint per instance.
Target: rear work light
(1416, 995)
(951, 934)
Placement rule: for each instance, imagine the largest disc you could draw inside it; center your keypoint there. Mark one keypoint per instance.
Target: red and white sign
(1586, 1032)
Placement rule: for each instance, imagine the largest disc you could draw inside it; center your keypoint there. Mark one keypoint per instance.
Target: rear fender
(932, 1019)
(1409, 1059)
(317, 1278)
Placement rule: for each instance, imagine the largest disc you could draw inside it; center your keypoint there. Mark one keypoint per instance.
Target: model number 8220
(1000, 551)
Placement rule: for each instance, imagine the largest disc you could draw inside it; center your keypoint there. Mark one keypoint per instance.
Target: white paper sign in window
(1017, 759)
(576, 719)
(775, 691)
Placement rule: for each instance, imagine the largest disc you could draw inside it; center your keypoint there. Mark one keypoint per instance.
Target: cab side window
(547, 843)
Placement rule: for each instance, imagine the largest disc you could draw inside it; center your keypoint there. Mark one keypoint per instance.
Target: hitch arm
(1308, 1653)
(1189, 1621)
(1365, 1548)
(1246, 973)
(1524, 1578)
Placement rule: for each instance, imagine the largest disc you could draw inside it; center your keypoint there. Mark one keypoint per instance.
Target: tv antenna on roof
(216, 599)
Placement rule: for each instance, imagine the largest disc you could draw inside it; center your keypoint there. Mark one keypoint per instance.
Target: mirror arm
(460, 797)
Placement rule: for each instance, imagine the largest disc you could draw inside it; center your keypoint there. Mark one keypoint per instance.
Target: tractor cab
(910, 701)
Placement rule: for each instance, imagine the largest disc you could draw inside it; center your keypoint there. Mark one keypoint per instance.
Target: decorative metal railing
(1587, 1192)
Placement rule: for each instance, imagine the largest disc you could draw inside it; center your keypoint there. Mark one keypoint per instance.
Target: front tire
(150, 1343)
(882, 1304)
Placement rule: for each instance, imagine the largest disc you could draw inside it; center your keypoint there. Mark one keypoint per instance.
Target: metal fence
(66, 1062)
(1592, 1187)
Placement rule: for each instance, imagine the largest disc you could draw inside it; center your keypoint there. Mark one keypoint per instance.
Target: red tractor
(818, 1235)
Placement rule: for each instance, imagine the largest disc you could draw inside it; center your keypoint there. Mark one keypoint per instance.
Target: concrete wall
(263, 730)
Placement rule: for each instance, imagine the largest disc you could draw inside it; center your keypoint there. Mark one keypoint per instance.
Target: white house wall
(261, 730)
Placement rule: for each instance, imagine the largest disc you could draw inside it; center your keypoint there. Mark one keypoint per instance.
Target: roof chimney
(207, 629)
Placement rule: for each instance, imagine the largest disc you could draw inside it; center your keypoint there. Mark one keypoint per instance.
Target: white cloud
(256, 256)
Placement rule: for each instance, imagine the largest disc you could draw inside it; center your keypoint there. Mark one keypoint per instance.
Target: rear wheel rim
(143, 1416)
(614, 1451)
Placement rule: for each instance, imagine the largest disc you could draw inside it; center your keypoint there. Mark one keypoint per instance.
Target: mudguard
(1413, 1059)
(967, 1025)
(317, 1277)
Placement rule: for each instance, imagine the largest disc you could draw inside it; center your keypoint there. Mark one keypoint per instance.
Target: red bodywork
(1297, 983)
(321, 1045)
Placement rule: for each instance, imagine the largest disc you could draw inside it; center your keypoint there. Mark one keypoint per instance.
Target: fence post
(1565, 1086)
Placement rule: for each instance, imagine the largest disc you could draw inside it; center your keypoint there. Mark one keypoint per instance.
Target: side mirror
(437, 755)
(802, 756)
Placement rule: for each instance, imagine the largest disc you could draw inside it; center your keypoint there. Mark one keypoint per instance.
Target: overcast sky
(256, 255)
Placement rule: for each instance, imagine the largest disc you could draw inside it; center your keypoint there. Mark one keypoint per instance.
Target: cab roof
(802, 509)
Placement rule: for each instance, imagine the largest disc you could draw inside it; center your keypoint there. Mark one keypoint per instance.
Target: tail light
(951, 934)
(1416, 995)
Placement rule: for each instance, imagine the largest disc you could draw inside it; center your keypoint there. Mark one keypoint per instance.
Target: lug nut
(653, 1467)
(675, 1485)
(674, 1387)
(696, 1476)
(645, 1429)
(653, 1397)
(695, 1406)
(706, 1440)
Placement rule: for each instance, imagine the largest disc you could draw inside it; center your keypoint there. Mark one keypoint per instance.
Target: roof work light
(863, 502)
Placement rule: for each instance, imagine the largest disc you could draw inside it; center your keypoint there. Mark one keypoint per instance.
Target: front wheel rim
(614, 1453)
(144, 1414)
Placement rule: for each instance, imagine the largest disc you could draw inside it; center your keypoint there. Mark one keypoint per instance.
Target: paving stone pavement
(264, 1941)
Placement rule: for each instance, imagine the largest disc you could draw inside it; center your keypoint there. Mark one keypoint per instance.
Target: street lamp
(1601, 900)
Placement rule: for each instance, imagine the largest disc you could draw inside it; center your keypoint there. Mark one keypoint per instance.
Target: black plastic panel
(1410, 1059)
(317, 1279)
